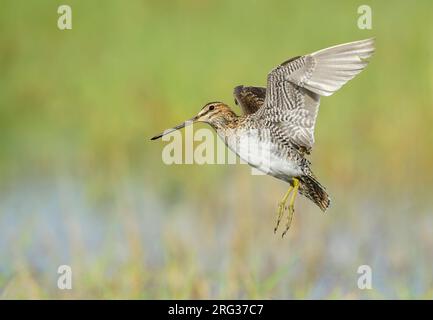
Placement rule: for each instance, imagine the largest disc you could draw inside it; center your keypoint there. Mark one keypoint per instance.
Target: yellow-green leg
(282, 207)
(291, 205)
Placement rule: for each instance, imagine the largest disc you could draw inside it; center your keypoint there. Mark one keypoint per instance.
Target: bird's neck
(228, 120)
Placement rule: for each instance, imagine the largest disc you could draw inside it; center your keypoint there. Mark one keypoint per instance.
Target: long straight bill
(182, 125)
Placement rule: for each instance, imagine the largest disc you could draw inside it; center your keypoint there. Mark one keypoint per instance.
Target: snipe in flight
(281, 117)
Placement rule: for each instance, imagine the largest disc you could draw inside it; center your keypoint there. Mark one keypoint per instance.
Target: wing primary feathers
(294, 87)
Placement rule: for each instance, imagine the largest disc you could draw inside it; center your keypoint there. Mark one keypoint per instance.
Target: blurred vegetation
(81, 183)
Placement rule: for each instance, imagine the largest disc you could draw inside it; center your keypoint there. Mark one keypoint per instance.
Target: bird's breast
(259, 151)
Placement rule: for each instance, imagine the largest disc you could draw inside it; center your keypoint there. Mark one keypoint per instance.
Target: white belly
(264, 156)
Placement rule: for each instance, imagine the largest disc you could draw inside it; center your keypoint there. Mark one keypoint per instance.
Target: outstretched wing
(250, 99)
(294, 88)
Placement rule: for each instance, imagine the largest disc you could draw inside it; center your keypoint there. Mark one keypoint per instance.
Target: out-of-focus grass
(81, 184)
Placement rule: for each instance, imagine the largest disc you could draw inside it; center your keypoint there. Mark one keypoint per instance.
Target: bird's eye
(211, 108)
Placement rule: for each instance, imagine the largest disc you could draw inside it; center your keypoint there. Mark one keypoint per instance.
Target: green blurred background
(82, 185)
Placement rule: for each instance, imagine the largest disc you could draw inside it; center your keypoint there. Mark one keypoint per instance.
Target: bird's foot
(291, 209)
(291, 206)
(281, 208)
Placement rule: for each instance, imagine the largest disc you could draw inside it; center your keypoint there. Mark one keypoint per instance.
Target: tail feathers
(313, 190)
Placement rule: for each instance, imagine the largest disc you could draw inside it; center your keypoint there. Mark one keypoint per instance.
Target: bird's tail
(313, 190)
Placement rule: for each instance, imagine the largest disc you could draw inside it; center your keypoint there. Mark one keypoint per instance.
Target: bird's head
(217, 114)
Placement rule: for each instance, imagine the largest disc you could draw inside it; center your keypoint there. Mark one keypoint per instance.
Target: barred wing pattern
(250, 99)
(294, 88)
